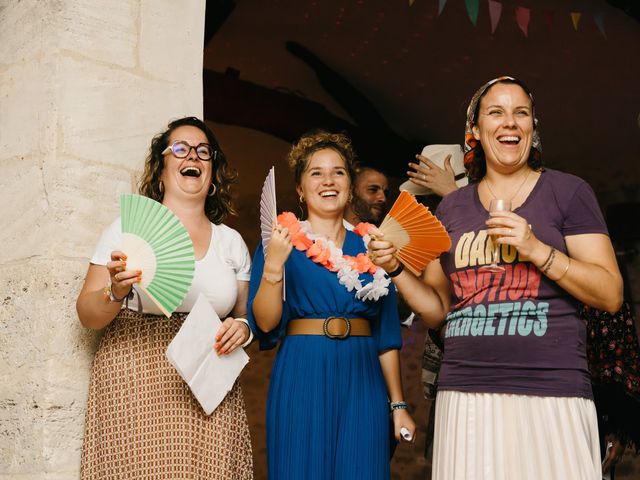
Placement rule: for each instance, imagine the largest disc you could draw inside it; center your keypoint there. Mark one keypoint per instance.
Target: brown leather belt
(332, 327)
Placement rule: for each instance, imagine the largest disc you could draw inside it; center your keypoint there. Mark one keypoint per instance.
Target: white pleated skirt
(488, 436)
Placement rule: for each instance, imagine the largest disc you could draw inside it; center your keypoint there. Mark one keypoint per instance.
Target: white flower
(347, 276)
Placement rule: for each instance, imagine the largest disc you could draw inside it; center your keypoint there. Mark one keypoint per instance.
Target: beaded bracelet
(398, 406)
(546, 269)
(108, 293)
(544, 264)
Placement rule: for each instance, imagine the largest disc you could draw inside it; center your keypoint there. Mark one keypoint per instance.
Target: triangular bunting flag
(575, 18)
(598, 17)
(472, 10)
(441, 4)
(523, 15)
(495, 10)
(548, 18)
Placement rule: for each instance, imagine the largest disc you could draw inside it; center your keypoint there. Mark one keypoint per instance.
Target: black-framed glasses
(181, 149)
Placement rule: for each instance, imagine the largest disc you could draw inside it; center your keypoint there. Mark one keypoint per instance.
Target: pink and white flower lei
(348, 269)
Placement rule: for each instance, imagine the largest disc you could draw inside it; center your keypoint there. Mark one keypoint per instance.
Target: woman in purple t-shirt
(514, 394)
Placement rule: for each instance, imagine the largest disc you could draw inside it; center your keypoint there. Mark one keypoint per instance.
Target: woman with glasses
(142, 420)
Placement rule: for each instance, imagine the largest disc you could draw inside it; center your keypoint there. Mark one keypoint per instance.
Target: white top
(348, 225)
(227, 260)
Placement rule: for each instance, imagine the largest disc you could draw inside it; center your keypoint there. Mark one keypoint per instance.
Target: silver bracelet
(398, 406)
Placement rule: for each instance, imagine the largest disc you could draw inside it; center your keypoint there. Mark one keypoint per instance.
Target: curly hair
(312, 142)
(216, 206)
(477, 168)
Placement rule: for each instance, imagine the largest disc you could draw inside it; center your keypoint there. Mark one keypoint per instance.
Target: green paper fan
(156, 242)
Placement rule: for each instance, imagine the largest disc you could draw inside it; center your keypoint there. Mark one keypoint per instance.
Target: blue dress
(327, 411)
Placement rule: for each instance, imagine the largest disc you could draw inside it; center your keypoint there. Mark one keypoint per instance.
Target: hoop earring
(161, 188)
(300, 204)
(212, 191)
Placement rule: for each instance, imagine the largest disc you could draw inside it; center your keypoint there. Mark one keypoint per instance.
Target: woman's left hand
(232, 334)
(514, 230)
(401, 418)
(381, 251)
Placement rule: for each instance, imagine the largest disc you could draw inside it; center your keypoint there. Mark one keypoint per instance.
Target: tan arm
(390, 364)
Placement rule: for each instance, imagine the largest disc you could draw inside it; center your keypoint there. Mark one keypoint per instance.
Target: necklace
(512, 196)
(323, 251)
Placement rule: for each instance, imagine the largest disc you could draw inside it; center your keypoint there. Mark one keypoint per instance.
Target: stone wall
(84, 85)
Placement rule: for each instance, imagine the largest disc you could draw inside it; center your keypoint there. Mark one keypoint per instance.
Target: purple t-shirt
(515, 331)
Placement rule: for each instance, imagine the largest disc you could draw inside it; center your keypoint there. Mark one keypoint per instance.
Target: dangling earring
(161, 188)
(212, 190)
(300, 203)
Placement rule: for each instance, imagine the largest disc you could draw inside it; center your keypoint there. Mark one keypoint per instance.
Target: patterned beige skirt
(142, 420)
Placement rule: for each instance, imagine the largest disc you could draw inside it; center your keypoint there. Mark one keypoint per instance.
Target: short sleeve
(441, 211)
(583, 214)
(242, 261)
(110, 240)
(386, 330)
(232, 249)
(268, 340)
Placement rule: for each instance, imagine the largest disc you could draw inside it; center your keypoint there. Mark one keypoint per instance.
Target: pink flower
(314, 250)
(287, 219)
(301, 241)
(363, 228)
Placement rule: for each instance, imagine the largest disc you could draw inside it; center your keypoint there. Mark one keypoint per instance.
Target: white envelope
(191, 352)
(437, 154)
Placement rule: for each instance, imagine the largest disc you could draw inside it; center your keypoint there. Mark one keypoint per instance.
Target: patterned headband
(470, 143)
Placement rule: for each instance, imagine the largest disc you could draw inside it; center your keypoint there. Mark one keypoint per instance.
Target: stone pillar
(84, 85)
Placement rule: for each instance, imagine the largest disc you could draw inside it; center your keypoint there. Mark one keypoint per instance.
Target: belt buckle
(325, 328)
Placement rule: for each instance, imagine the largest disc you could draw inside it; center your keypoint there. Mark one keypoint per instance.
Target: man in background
(369, 201)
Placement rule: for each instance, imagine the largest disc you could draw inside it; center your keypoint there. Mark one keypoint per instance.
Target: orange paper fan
(418, 236)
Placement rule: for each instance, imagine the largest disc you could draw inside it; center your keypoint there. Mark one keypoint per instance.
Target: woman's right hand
(279, 249)
(440, 181)
(122, 279)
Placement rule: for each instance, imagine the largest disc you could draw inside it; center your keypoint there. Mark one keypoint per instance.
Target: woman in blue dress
(338, 365)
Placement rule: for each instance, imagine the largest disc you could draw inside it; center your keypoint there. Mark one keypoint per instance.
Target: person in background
(369, 197)
(338, 365)
(427, 174)
(142, 421)
(514, 393)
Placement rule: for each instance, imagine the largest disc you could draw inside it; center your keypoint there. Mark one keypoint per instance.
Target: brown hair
(477, 167)
(216, 206)
(312, 142)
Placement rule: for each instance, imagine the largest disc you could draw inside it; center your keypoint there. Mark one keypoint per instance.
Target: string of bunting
(523, 15)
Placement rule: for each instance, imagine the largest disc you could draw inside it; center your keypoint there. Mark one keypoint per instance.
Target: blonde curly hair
(312, 142)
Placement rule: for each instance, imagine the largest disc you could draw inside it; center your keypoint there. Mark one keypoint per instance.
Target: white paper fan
(269, 214)
(156, 242)
(268, 211)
